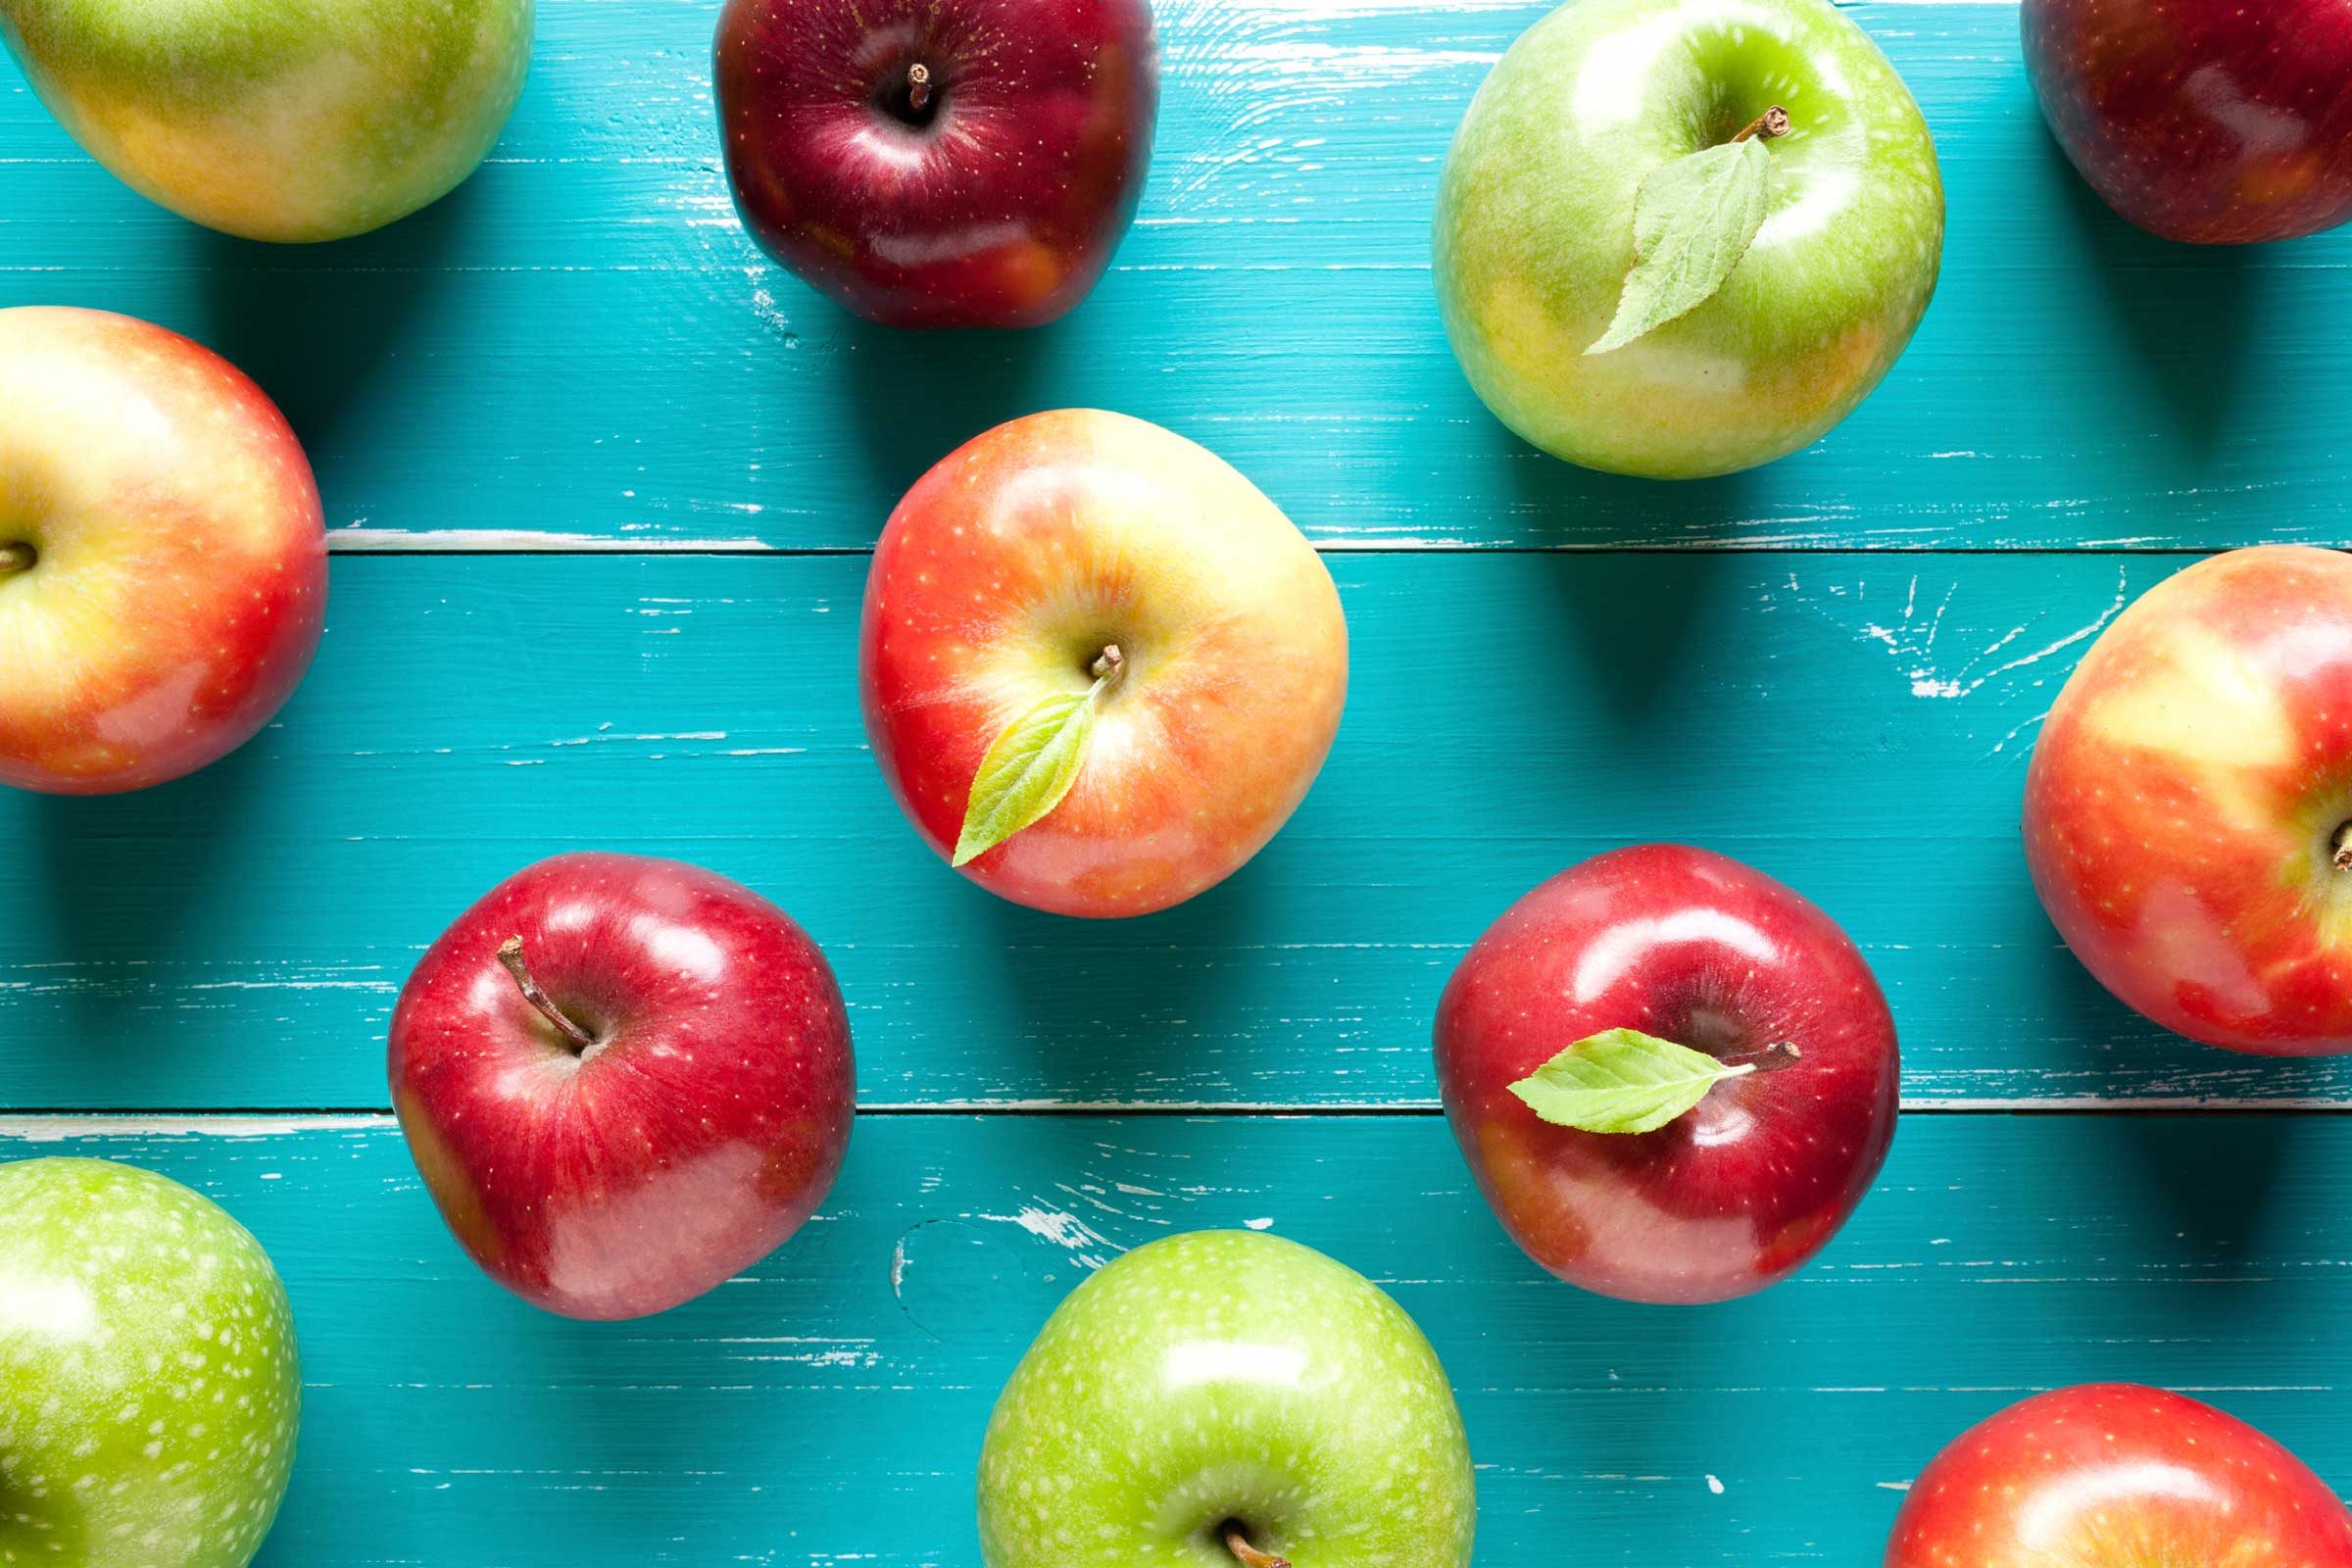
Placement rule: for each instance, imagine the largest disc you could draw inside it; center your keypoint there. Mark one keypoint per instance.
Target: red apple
(163, 560)
(624, 1080)
(2188, 810)
(1081, 552)
(2109, 1475)
(2221, 121)
(1699, 950)
(939, 163)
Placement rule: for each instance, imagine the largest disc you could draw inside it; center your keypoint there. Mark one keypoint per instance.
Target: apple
(2115, 1476)
(1534, 232)
(1227, 1397)
(149, 1382)
(278, 120)
(949, 163)
(2189, 809)
(1098, 567)
(162, 560)
(624, 1080)
(2211, 121)
(1784, 1059)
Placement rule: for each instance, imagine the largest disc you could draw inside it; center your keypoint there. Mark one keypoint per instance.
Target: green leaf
(1693, 218)
(1622, 1081)
(1027, 770)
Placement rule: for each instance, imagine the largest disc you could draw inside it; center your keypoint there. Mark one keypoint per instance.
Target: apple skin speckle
(150, 1386)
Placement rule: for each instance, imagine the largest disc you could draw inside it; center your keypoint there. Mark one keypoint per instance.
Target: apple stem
(1108, 666)
(1780, 1054)
(17, 556)
(918, 86)
(1250, 1557)
(2342, 846)
(1773, 121)
(510, 954)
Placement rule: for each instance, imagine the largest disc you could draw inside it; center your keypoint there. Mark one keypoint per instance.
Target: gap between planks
(379, 542)
(53, 1125)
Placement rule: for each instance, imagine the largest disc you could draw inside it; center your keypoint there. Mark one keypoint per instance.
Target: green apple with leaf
(1676, 238)
(149, 1385)
(1099, 667)
(1227, 1400)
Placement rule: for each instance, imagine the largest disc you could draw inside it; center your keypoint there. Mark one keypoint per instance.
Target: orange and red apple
(162, 560)
(2188, 810)
(1004, 578)
(2112, 1475)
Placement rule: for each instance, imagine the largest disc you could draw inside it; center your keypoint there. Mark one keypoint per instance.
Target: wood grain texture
(1857, 725)
(826, 1408)
(581, 346)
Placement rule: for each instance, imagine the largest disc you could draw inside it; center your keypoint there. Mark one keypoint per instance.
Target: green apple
(149, 1386)
(1223, 1399)
(278, 120)
(1535, 231)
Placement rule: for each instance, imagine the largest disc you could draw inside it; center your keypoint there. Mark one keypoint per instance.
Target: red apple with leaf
(1672, 1077)
(624, 1080)
(1099, 668)
(2117, 1476)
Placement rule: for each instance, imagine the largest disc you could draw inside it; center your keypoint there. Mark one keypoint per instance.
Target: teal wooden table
(601, 482)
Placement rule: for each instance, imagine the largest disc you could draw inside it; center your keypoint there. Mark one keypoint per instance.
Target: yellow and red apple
(1101, 568)
(2188, 810)
(162, 560)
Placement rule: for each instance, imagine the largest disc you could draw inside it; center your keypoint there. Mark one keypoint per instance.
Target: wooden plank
(582, 346)
(827, 1408)
(1857, 725)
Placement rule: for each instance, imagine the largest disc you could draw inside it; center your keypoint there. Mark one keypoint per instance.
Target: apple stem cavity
(510, 954)
(1250, 1556)
(2340, 847)
(1773, 121)
(17, 556)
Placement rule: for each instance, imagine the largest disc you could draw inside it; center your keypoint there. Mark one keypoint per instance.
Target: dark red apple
(624, 1080)
(2110, 1475)
(939, 163)
(2220, 121)
(1696, 950)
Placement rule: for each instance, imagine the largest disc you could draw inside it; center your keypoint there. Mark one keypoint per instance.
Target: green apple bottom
(280, 120)
(1644, 269)
(1226, 1398)
(149, 1385)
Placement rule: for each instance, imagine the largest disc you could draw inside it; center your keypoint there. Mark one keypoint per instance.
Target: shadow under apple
(126, 879)
(917, 395)
(2188, 314)
(311, 324)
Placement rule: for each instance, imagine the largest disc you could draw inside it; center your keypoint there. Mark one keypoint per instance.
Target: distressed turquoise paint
(1855, 725)
(582, 340)
(827, 1408)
